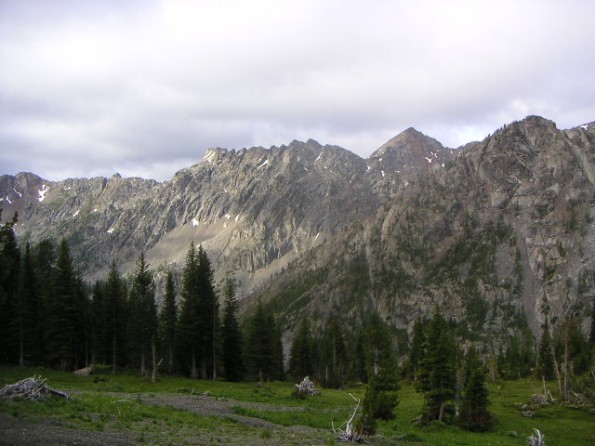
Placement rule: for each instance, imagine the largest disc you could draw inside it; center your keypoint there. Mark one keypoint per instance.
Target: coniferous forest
(51, 317)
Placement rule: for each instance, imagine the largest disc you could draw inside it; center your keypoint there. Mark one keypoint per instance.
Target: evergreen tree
(233, 361)
(116, 315)
(168, 320)
(100, 339)
(142, 324)
(188, 331)
(415, 349)
(208, 312)
(333, 357)
(10, 269)
(301, 361)
(381, 397)
(65, 319)
(437, 373)
(474, 414)
(44, 261)
(278, 372)
(260, 347)
(198, 322)
(546, 357)
(30, 334)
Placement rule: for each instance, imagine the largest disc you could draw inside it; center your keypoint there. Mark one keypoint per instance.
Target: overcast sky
(143, 88)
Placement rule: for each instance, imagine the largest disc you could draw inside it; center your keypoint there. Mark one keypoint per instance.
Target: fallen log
(34, 388)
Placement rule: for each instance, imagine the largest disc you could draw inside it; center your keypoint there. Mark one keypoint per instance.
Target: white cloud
(142, 87)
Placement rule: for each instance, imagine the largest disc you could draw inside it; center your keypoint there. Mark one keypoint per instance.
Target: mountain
(496, 231)
(502, 234)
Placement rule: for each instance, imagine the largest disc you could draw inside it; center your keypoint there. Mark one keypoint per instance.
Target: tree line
(49, 316)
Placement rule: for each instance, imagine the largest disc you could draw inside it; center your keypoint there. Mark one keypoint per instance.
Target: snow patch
(319, 155)
(17, 192)
(585, 127)
(368, 168)
(429, 160)
(316, 238)
(110, 230)
(305, 168)
(41, 193)
(76, 213)
(237, 217)
(263, 164)
(382, 172)
(94, 210)
(194, 222)
(227, 216)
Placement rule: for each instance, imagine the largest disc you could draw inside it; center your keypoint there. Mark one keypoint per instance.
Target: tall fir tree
(100, 339)
(10, 270)
(437, 372)
(167, 322)
(546, 367)
(474, 414)
(383, 384)
(416, 349)
(260, 347)
(188, 329)
(44, 261)
(333, 356)
(233, 361)
(116, 316)
(30, 330)
(301, 361)
(65, 328)
(142, 324)
(208, 317)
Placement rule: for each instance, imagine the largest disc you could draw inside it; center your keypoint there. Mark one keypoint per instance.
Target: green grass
(97, 406)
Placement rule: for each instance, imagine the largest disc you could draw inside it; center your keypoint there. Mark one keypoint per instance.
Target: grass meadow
(120, 403)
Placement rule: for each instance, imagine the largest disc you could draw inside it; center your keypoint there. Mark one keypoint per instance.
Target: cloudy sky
(143, 88)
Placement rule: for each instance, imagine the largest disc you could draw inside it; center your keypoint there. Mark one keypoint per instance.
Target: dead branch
(349, 434)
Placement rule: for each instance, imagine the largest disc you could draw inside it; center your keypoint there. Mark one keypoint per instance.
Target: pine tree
(208, 311)
(437, 373)
(188, 330)
(474, 414)
(301, 362)
(142, 325)
(30, 333)
(381, 397)
(168, 320)
(10, 270)
(415, 349)
(44, 261)
(100, 339)
(65, 319)
(233, 361)
(260, 347)
(116, 316)
(546, 359)
(334, 358)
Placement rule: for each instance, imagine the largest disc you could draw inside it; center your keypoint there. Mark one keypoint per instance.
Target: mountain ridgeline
(498, 232)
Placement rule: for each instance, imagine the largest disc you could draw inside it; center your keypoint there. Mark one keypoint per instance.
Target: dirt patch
(21, 431)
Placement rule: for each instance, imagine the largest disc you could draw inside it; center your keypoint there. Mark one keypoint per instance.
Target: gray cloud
(144, 88)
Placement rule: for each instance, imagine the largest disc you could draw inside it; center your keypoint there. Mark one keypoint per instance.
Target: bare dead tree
(349, 434)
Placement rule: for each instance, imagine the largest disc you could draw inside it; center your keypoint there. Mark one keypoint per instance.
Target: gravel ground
(24, 431)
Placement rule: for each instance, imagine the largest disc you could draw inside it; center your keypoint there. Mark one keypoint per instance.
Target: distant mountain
(495, 231)
(502, 234)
